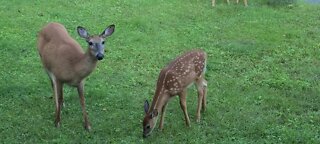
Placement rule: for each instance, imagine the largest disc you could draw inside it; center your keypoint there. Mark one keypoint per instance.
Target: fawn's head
(150, 120)
(96, 42)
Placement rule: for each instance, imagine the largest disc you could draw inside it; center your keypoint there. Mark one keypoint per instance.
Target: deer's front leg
(163, 111)
(82, 102)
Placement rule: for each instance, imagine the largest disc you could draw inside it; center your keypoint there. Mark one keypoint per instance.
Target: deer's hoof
(62, 105)
(57, 124)
(87, 127)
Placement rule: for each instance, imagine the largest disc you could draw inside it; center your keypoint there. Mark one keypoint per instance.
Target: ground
(262, 71)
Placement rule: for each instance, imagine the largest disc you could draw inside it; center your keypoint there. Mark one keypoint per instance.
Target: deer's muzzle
(99, 56)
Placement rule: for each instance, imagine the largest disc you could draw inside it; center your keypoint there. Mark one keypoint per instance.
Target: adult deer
(66, 63)
(173, 80)
(244, 1)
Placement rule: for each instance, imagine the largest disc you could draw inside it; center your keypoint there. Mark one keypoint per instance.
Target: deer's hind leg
(201, 85)
(60, 98)
(213, 3)
(57, 93)
(205, 89)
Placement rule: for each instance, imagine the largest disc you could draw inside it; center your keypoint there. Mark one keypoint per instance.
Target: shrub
(274, 2)
(279, 2)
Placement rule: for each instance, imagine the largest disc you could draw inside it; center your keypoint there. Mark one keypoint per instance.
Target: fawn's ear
(154, 113)
(82, 32)
(108, 31)
(146, 106)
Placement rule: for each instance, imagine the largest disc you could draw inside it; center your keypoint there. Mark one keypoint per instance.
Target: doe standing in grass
(66, 63)
(173, 80)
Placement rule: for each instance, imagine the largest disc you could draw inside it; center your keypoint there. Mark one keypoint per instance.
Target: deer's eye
(102, 42)
(148, 126)
(90, 43)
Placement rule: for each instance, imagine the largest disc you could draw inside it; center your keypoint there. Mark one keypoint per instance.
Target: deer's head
(96, 43)
(150, 119)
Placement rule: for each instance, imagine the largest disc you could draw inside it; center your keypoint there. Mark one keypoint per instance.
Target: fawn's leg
(183, 104)
(204, 100)
(163, 111)
(201, 87)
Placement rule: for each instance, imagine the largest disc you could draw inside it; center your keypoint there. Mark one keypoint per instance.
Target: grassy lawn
(263, 71)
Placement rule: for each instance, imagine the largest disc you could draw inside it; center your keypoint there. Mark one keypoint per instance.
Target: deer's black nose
(100, 56)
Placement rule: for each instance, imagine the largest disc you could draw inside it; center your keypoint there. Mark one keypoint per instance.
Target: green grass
(263, 72)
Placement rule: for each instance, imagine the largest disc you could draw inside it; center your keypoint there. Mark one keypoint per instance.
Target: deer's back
(52, 33)
(58, 51)
(182, 71)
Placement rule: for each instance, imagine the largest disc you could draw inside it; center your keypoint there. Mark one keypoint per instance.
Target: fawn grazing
(173, 80)
(244, 1)
(66, 62)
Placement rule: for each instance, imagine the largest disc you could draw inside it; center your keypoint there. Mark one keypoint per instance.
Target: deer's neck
(86, 64)
(161, 96)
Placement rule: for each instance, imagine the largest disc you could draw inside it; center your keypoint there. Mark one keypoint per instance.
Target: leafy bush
(278, 2)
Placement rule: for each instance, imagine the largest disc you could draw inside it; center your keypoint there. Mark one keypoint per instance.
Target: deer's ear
(82, 32)
(154, 113)
(146, 106)
(108, 31)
